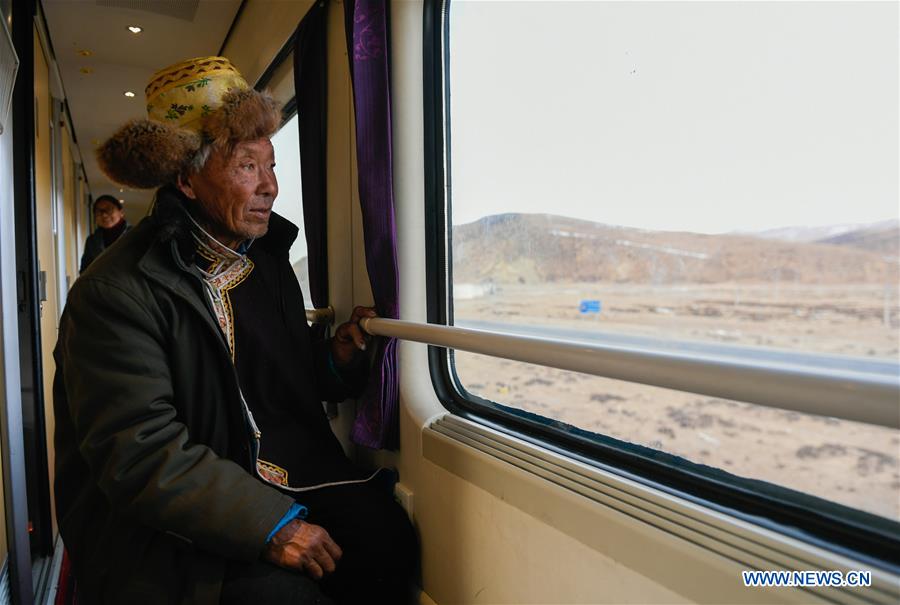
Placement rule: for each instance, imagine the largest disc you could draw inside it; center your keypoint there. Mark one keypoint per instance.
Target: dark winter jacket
(94, 247)
(154, 452)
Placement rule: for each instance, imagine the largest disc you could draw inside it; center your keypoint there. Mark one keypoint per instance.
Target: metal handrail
(323, 315)
(851, 395)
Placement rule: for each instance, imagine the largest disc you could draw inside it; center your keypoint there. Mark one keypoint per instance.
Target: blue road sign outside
(589, 306)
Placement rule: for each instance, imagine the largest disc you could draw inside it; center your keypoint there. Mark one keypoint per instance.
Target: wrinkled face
(235, 193)
(107, 214)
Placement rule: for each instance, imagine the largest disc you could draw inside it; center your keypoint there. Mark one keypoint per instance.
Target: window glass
(721, 177)
(289, 202)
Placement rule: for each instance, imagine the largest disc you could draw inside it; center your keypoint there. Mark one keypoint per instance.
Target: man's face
(236, 192)
(107, 214)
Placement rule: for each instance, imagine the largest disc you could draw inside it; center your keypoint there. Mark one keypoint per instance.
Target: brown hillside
(531, 248)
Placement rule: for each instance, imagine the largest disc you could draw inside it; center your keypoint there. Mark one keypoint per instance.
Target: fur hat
(189, 104)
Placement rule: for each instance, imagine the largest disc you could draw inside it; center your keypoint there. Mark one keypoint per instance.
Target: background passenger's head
(108, 212)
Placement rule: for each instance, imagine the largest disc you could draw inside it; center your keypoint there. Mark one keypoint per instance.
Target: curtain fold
(311, 89)
(367, 27)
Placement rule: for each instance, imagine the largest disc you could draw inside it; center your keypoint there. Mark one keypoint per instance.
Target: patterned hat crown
(203, 101)
(183, 93)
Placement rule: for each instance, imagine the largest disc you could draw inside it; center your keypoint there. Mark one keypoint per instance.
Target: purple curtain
(367, 25)
(311, 89)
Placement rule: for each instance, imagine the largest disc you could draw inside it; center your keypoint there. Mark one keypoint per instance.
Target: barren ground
(851, 463)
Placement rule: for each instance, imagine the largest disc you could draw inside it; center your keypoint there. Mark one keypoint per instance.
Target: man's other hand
(303, 546)
(349, 337)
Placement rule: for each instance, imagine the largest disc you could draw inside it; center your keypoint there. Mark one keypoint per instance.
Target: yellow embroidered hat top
(183, 93)
(195, 103)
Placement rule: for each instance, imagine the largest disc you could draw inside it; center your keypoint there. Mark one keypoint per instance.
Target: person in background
(111, 225)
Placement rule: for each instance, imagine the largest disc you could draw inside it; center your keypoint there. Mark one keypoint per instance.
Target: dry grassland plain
(851, 463)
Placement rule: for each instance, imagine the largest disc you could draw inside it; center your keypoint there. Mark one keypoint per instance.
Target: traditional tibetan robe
(283, 376)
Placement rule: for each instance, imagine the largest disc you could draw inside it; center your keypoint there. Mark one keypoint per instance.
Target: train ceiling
(100, 59)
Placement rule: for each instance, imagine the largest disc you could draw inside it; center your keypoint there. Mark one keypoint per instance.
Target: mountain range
(534, 248)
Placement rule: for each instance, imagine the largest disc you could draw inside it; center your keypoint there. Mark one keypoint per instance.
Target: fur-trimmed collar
(171, 215)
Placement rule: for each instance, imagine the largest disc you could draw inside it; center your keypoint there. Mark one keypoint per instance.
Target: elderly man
(194, 462)
(111, 225)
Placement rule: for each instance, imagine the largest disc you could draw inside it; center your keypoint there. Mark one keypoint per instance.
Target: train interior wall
(60, 223)
(44, 198)
(6, 265)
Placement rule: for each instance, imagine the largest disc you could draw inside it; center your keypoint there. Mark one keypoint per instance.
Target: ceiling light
(129, 94)
(84, 52)
(135, 29)
(87, 70)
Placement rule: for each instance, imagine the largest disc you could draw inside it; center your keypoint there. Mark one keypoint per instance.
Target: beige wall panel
(68, 231)
(339, 168)
(362, 288)
(341, 192)
(480, 549)
(660, 562)
(70, 210)
(84, 225)
(262, 29)
(46, 245)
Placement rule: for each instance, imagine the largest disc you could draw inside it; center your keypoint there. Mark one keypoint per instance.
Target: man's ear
(184, 185)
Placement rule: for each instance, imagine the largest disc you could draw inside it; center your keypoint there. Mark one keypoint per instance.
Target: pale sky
(287, 171)
(707, 117)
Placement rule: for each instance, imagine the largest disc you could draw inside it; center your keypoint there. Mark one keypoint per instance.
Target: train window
(711, 177)
(289, 203)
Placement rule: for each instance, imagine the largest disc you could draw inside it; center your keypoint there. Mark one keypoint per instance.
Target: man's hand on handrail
(349, 338)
